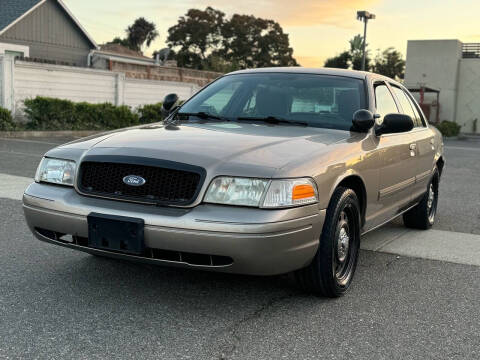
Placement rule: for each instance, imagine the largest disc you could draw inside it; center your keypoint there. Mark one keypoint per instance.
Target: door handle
(413, 148)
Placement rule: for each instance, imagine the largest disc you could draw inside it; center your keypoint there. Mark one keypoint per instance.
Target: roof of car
(303, 70)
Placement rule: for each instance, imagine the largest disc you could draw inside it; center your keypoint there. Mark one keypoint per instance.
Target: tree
(207, 40)
(341, 61)
(351, 58)
(196, 36)
(253, 42)
(356, 52)
(120, 41)
(141, 32)
(390, 63)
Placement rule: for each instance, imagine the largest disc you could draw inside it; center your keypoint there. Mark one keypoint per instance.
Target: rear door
(398, 170)
(422, 138)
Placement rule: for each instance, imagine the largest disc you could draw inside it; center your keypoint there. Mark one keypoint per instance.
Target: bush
(6, 121)
(57, 114)
(449, 128)
(150, 113)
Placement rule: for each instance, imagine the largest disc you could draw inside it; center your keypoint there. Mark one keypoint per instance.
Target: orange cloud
(296, 12)
(310, 61)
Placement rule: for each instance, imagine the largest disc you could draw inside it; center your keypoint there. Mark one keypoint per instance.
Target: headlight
(236, 191)
(262, 193)
(56, 171)
(290, 192)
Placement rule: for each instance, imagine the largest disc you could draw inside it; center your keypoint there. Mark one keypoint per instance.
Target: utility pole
(364, 16)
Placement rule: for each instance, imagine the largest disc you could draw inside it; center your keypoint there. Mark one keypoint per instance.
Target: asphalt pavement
(56, 303)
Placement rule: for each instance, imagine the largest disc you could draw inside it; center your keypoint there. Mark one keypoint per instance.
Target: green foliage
(449, 128)
(253, 42)
(356, 53)
(196, 35)
(6, 121)
(390, 63)
(206, 40)
(120, 41)
(150, 113)
(341, 61)
(141, 32)
(57, 114)
(351, 59)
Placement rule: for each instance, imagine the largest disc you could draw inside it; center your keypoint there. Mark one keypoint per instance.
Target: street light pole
(364, 43)
(364, 16)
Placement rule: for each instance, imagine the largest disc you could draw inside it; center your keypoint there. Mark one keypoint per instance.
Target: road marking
(432, 244)
(12, 187)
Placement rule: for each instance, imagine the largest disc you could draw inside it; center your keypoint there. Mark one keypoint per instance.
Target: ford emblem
(134, 180)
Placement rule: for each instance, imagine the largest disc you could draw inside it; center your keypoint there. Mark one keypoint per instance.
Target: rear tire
(331, 271)
(422, 216)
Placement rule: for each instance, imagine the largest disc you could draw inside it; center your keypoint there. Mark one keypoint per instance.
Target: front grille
(163, 185)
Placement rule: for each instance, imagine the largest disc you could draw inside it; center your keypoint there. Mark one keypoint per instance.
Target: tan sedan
(262, 172)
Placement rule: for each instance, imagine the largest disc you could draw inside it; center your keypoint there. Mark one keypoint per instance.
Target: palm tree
(140, 33)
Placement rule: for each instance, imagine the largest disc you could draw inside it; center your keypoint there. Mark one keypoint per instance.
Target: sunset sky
(317, 28)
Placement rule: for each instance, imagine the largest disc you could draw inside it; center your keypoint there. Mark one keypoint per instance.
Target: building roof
(117, 49)
(12, 11)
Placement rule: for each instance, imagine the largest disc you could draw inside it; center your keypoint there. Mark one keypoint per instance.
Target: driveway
(416, 294)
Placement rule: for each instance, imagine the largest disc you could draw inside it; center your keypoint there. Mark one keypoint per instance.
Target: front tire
(422, 216)
(331, 271)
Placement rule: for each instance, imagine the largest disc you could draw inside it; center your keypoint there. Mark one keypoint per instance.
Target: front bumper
(258, 241)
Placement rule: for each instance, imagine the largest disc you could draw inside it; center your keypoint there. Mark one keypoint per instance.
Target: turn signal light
(303, 191)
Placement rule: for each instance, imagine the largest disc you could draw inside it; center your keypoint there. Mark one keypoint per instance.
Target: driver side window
(384, 102)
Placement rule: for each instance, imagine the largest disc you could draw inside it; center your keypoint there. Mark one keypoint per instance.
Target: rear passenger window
(384, 101)
(406, 105)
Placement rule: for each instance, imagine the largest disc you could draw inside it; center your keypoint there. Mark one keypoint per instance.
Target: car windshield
(323, 101)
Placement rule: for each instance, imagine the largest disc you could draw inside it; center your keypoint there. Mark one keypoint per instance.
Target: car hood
(247, 149)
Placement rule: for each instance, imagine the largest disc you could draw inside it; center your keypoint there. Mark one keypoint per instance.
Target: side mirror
(363, 120)
(168, 103)
(394, 123)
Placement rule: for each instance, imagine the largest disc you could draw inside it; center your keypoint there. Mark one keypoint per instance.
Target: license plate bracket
(116, 233)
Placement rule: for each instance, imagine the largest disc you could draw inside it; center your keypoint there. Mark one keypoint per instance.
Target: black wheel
(422, 216)
(331, 271)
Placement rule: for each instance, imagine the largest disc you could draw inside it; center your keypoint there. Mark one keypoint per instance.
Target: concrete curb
(48, 134)
(455, 247)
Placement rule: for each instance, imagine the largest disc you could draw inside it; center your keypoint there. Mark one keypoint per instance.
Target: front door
(397, 153)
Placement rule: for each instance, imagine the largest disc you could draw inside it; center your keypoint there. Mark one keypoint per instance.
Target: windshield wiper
(173, 118)
(273, 120)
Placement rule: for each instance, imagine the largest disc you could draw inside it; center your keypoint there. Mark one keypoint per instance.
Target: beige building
(447, 70)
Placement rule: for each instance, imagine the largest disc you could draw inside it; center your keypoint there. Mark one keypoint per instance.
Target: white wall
(21, 80)
(139, 92)
(64, 82)
(435, 63)
(468, 98)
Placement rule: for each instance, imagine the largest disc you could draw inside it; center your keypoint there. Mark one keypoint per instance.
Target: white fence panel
(141, 92)
(75, 84)
(22, 80)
